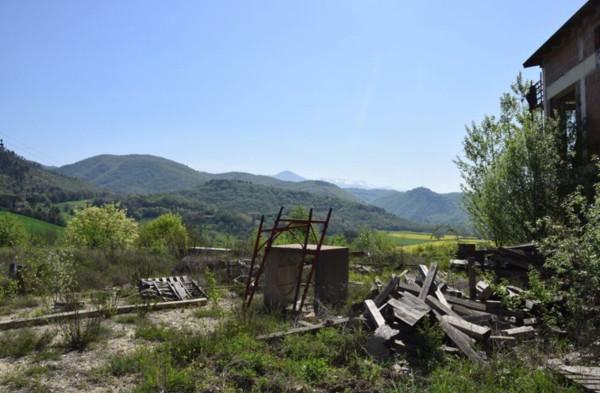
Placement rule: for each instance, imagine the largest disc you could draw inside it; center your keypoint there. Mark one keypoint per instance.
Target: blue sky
(378, 91)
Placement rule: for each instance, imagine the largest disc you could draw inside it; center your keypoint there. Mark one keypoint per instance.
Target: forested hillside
(232, 206)
(420, 205)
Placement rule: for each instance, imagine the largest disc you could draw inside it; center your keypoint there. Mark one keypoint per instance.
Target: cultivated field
(408, 240)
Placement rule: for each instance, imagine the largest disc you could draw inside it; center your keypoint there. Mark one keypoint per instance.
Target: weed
(23, 342)
(315, 369)
(151, 332)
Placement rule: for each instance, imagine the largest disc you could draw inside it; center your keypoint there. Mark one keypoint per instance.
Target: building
(570, 83)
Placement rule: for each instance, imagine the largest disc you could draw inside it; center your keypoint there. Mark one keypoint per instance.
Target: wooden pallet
(170, 288)
(586, 377)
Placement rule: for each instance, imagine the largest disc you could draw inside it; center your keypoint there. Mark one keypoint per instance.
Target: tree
(106, 227)
(512, 170)
(12, 231)
(572, 246)
(166, 233)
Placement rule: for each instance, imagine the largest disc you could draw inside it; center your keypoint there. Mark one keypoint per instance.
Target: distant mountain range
(148, 175)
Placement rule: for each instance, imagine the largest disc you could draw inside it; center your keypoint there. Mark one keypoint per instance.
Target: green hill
(233, 206)
(420, 205)
(135, 173)
(28, 188)
(146, 174)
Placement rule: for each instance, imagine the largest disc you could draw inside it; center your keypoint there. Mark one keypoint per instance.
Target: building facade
(570, 83)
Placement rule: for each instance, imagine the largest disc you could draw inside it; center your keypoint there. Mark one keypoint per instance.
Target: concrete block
(282, 268)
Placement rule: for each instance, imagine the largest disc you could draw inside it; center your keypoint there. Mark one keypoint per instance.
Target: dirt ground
(74, 371)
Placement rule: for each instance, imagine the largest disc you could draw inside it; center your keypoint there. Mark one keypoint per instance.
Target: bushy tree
(12, 231)
(166, 233)
(572, 247)
(512, 170)
(106, 227)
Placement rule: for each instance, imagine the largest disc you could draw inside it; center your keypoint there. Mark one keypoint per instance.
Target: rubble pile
(395, 311)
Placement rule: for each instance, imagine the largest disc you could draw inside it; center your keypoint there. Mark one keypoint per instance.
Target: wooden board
(472, 329)
(439, 306)
(406, 313)
(520, 332)
(427, 284)
(385, 293)
(461, 341)
(373, 313)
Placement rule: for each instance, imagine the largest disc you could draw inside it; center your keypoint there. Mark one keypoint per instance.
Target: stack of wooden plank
(470, 325)
(170, 288)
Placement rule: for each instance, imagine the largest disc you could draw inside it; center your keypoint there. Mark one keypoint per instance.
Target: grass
(36, 228)
(333, 359)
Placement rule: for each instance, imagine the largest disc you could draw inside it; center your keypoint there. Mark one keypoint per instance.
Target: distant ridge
(135, 173)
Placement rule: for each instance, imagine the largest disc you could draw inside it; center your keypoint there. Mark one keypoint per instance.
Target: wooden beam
(439, 306)
(307, 329)
(64, 316)
(461, 341)
(473, 330)
(374, 313)
(520, 332)
(428, 282)
(385, 293)
(473, 305)
(412, 288)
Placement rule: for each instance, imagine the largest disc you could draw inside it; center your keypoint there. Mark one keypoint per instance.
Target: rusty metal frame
(290, 225)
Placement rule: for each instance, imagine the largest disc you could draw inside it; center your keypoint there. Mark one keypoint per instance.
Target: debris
(170, 288)
(401, 306)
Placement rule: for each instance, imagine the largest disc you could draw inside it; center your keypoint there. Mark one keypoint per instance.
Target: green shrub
(165, 234)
